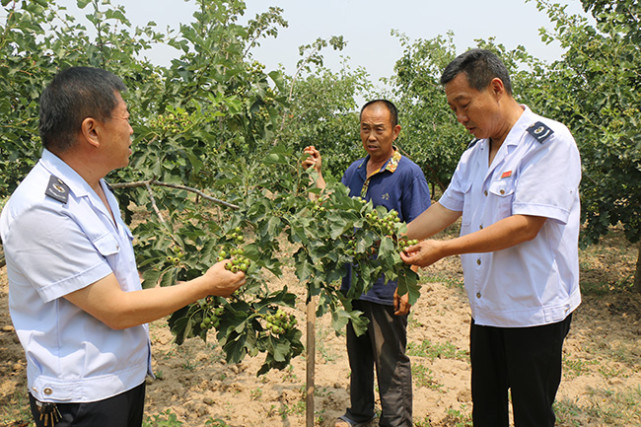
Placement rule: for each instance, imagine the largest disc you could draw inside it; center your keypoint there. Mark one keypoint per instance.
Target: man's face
(117, 135)
(377, 133)
(477, 110)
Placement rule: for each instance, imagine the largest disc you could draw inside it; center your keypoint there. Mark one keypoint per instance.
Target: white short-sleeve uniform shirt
(536, 172)
(57, 245)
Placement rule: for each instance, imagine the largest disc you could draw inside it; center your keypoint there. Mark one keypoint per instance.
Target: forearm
(320, 181)
(503, 234)
(144, 306)
(436, 218)
(107, 302)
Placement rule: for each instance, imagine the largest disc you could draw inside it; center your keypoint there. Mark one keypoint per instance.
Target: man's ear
(497, 87)
(396, 131)
(89, 131)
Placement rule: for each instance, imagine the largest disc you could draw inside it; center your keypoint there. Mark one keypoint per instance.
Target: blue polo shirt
(400, 185)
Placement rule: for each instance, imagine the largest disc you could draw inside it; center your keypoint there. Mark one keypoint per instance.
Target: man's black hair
(73, 95)
(480, 66)
(388, 104)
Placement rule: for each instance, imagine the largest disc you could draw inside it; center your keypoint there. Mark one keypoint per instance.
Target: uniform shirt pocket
(503, 194)
(107, 245)
(467, 212)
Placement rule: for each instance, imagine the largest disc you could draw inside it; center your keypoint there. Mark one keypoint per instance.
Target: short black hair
(388, 104)
(73, 95)
(480, 66)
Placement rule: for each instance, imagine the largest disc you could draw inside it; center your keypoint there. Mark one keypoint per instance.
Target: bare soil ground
(195, 387)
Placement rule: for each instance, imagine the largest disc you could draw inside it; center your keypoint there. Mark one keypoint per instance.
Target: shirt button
(485, 192)
(478, 261)
(481, 227)
(478, 295)
(502, 191)
(48, 391)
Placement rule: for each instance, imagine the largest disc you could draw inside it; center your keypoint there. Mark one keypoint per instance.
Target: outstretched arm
(118, 309)
(503, 234)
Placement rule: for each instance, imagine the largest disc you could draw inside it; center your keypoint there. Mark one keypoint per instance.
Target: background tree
(209, 125)
(431, 135)
(323, 112)
(596, 90)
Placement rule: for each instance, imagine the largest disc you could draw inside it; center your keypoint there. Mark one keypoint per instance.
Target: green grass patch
(573, 368)
(447, 279)
(164, 419)
(436, 351)
(605, 407)
(422, 376)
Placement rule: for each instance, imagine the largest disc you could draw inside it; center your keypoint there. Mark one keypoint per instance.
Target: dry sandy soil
(601, 383)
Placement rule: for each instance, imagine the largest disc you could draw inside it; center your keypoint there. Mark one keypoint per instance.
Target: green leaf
(235, 349)
(281, 350)
(408, 283)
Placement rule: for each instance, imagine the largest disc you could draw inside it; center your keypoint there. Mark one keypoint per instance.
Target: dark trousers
(525, 360)
(381, 347)
(123, 410)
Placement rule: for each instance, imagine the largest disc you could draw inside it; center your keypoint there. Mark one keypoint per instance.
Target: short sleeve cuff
(450, 203)
(74, 283)
(547, 211)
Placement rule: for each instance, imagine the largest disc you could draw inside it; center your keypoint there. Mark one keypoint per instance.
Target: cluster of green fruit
(317, 206)
(280, 322)
(171, 123)
(239, 261)
(175, 260)
(386, 223)
(212, 319)
(404, 244)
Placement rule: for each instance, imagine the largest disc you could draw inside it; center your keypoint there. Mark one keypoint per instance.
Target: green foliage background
(217, 121)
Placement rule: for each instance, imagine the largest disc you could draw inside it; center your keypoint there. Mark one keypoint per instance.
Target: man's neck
(513, 112)
(83, 166)
(374, 164)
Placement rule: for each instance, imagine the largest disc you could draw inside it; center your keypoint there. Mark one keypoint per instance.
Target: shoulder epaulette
(473, 142)
(57, 189)
(540, 131)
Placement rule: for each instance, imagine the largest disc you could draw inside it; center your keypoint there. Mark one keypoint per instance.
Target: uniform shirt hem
(536, 316)
(88, 389)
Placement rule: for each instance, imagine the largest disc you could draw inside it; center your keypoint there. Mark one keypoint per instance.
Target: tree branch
(154, 205)
(166, 184)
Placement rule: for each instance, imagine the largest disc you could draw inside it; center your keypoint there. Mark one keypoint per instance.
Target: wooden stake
(311, 361)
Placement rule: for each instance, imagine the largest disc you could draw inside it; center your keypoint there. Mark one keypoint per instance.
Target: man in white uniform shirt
(74, 291)
(516, 189)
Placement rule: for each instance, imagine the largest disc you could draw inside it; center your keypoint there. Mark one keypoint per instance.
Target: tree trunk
(637, 273)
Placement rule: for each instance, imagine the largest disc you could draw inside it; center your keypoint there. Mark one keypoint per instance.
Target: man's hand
(222, 282)
(401, 304)
(313, 159)
(424, 253)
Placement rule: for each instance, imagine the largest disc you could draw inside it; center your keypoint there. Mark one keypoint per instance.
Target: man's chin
(477, 133)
